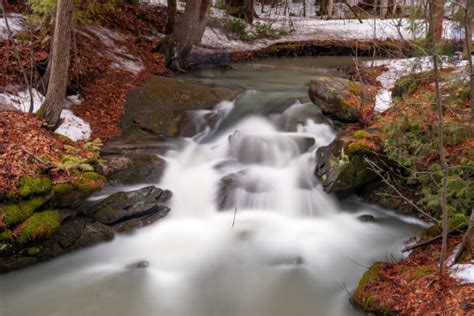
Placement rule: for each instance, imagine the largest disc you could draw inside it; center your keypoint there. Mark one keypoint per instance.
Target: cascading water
(250, 232)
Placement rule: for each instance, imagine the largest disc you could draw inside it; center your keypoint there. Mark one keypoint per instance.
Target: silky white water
(250, 232)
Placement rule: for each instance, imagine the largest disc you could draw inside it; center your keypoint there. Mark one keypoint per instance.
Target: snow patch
(16, 23)
(117, 53)
(463, 272)
(397, 68)
(73, 127)
(21, 101)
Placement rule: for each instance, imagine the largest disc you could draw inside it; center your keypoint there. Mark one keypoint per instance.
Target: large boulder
(127, 205)
(160, 104)
(341, 165)
(332, 95)
(133, 168)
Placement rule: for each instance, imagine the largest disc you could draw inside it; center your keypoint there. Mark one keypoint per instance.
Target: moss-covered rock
(342, 168)
(159, 105)
(331, 94)
(28, 186)
(38, 226)
(362, 298)
(407, 85)
(14, 214)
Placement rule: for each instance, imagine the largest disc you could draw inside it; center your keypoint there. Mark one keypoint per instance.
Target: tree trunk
(469, 21)
(436, 23)
(52, 106)
(330, 8)
(444, 165)
(188, 31)
(383, 8)
(171, 21)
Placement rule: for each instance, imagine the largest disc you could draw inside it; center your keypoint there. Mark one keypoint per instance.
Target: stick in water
(233, 221)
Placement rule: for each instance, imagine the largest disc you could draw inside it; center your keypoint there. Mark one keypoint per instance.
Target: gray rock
(133, 169)
(366, 218)
(331, 94)
(126, 205)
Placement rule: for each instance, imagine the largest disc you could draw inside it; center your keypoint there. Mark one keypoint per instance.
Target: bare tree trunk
(383, 8)
(28, 83)
(52, 106)
(469, 21)
(188, 31)
(330, 8)
(171, 21)
(249, 11)
(436, 23)
(442, 157)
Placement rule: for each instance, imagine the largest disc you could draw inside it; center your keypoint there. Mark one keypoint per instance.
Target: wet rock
(126, 205)
(296, 260)
(382, 195)
(331, 95)
(159, 105)
(341, 167)
(94, 233)
(366, 218)
(134, 169)
(139, 265)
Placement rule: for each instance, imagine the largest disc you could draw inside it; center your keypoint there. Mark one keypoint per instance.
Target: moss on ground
(38, 226)
(14, 214)
(29, 186)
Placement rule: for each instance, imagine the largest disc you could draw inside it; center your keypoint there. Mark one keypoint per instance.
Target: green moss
(32, 251)
(33, 186)
(6, 235)
(424, 271)
(38, 226)
(14, 214)
(93, 176)
(360, 148)
(63, 188)
(23, 36)
(360, 134)
(407, 85)
(363, 299)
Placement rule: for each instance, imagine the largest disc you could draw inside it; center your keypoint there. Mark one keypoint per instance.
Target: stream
(251, 231)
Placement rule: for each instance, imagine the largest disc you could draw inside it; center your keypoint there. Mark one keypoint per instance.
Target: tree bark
(188, 32)
(383, 8)
(468, 22)
(436, 22)
(171, 21)
(444, 165)
(55, 97)
(330, 8)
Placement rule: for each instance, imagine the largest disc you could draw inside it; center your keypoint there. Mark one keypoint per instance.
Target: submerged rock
(126, 205)
(366, 218)
(134, 168)
(331, 94)
(139, 265)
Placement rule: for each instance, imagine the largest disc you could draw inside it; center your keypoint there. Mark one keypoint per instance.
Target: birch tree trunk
(55, 96)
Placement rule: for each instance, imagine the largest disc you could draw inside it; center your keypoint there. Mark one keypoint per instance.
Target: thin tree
(468, 22)
(436, 19)
(171, 21)
(444, 165)
(55, 96)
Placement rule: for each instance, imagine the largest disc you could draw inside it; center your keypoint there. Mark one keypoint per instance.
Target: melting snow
(463, 272)
(73, 127)
(15, 21)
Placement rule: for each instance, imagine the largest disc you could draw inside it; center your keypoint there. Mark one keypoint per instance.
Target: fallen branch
(375, 168)
(427, 242)
(467, 237)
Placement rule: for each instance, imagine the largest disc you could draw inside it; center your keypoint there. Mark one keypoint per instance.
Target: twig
(375, 168)
(233, 221)
(427, 242)
(462, 246)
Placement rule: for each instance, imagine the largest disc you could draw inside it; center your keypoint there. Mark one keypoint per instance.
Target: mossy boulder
(28, 186)
(14, 214)
(159, 105)
(341, 165)
(363, 299)
(71, 195)
(38, 226)
(331, 94)
(407, 85)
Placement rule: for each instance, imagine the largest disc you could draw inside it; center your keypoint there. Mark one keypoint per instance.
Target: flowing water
(250, 232)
